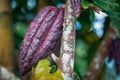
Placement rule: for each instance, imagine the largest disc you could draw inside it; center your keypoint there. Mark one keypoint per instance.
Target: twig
(55, 58)
(98, 61)
(95, 8)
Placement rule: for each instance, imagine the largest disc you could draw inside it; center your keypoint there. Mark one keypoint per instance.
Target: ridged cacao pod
(76, 5)
(115, 52)
(41, 37)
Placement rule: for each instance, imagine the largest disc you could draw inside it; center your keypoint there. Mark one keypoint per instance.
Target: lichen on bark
(66, 60)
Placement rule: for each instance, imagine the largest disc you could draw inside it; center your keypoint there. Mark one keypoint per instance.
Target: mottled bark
(6, 36)
(66, 61)
(98, 60)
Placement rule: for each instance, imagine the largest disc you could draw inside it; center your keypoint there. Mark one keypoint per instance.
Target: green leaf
(56, 1)
(118, 1)
(86, 4)
(53, 69)
(115, 24)
(84, 20)
(114, 15)
(111, 7)
(92, 18)
(108, 5)
(76, 70)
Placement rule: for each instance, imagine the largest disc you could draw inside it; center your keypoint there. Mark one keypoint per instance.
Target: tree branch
(66, 60)
(98, 61)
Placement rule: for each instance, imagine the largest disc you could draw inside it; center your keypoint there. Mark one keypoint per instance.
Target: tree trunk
(6, 36)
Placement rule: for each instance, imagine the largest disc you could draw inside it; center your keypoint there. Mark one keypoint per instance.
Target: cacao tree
(35, 46)
(60, 40)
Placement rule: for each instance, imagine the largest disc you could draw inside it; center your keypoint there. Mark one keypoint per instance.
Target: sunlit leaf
(92, 17)
(86, 4)
(42, 71)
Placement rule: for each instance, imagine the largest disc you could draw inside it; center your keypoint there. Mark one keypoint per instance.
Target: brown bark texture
(98, 60)
(6, 36)
(68, 43)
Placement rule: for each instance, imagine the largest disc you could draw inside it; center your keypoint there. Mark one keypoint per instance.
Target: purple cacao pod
(115, 52)
(76, 5)
(41, 37)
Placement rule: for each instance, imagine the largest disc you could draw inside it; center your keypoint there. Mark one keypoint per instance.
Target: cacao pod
(41, 37)
(115, 52)
(76, 5)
